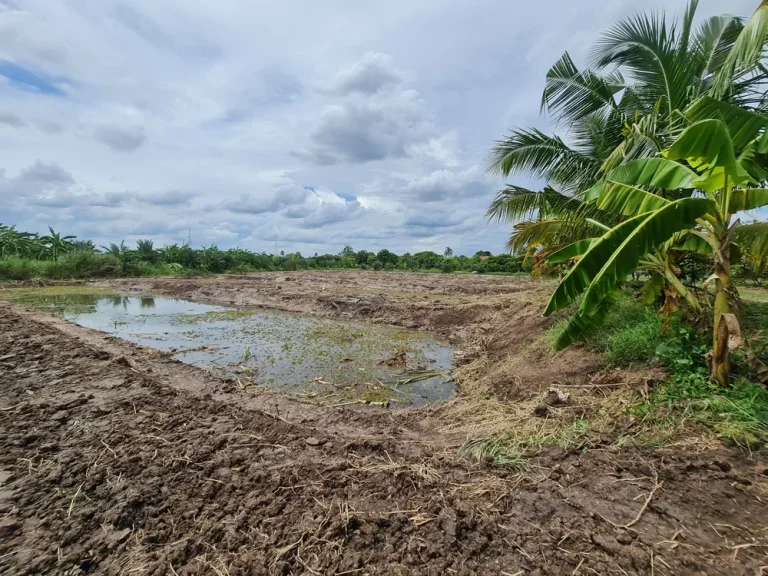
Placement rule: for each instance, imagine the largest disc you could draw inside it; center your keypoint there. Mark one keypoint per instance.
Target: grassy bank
(671, 400)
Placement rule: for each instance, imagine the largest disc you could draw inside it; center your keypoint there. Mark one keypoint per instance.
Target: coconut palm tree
(145, 250)
(645, 70)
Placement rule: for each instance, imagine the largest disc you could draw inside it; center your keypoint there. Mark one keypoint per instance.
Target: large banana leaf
(695, 243)
(743, 125)
(628, 200)
(571, 251)
(656, 229)
(753, 160)
(748, 199)
(707, 143)
(582, 326)
(616, 254)
(656, 172)
(578, 278)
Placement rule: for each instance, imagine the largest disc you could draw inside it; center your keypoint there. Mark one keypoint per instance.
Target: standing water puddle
(334, 361)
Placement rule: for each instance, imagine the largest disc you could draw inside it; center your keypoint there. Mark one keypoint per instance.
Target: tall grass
(79, 265)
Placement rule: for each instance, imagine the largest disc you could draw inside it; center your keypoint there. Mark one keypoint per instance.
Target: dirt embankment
(116, 461)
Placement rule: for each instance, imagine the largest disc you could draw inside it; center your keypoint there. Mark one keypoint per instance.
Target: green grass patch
(44, 292)
(630, 334)
(753, 294)
(754, 315)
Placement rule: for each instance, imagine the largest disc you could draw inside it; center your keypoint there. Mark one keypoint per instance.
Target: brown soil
(114, 460)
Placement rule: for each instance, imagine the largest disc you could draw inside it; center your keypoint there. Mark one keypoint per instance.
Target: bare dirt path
(116, 461)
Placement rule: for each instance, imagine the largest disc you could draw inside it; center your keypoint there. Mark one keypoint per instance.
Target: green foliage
(609, 260)
(738, 412)
(753, 240)
(633, 333)
(706, 145)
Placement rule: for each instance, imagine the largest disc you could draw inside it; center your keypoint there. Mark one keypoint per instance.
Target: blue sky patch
(28, 80)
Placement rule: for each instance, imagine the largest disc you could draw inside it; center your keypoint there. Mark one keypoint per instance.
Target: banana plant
(694, 190)
(56, 244)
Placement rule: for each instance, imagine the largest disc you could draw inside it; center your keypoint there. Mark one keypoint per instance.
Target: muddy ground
(114, 460)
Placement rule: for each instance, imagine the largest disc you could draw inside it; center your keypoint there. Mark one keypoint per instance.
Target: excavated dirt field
(114, 460)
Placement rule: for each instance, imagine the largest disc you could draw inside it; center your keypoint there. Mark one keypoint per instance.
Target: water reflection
(86, 303)
(323, 358)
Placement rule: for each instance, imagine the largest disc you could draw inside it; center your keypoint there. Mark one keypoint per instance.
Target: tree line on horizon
(25, 255)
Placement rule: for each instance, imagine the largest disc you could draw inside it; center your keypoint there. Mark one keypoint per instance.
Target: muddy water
(328, 360)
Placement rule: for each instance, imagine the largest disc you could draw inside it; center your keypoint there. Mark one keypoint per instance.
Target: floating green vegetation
(42, 292)
(213, 316)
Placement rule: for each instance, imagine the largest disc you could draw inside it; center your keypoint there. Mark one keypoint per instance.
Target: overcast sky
(298, 124)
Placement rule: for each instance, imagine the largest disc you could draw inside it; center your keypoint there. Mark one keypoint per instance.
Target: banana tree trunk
(721, 358)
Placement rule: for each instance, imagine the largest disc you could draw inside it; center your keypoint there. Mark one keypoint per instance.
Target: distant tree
(347, 252)
(145, 250)
(386, 257)
(361, 257)
(448, 252)
(122, 253)
(84, 246)
(480, 253)
(56, 244)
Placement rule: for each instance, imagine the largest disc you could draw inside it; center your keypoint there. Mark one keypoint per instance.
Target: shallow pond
(336, 362)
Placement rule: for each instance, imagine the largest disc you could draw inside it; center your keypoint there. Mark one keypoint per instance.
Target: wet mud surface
(116, 461)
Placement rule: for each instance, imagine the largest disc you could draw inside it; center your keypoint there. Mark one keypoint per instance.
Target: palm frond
(532, 233)
(747, 50)
(714, 40)
(644, 45)
(514, 203)
(534, 153)
(571, 94)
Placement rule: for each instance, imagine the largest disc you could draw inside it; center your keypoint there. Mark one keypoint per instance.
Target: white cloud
(372, 73)
(365, 128)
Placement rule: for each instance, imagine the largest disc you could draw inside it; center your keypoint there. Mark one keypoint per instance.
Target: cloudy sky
(298, 124)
